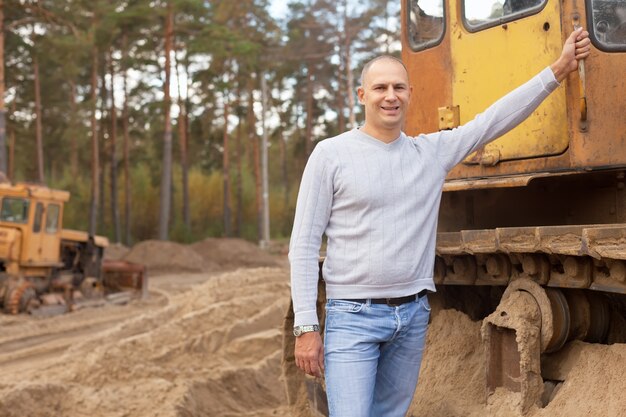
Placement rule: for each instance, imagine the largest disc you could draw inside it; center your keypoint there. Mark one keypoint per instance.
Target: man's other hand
(309, 353)
(576, 47)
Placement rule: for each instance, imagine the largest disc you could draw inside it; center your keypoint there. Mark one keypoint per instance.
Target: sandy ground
(208, 343)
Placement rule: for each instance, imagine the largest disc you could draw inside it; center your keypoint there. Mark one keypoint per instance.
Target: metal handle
(582, 87)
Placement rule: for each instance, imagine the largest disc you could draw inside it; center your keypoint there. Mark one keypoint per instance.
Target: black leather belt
(394, 302)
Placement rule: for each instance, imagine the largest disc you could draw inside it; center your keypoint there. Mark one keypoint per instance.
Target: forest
(153, 113)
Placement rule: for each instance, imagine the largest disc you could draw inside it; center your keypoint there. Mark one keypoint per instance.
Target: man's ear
(360, 92)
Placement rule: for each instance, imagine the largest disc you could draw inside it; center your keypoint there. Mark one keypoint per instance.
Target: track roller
(531, 320)
(20, 296)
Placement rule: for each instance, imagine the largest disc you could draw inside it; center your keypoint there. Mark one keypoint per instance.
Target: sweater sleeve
(452, 146)
(313, 209)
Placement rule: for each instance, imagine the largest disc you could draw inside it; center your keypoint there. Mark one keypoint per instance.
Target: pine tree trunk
(284, 170)
(73, 131)
(182, 139)
(127, 194)
(341, 118)
(3, 140)
(102, 140)
(256, 163)
(11, 164)
(38, 121)
(166, 172)
(349, 73)
(308, 144)
(339, 93)
(115, 213)
(95, 163)
(258, 187)
(226, 174)
(239, 182)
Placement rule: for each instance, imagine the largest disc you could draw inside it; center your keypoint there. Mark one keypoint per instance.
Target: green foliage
(222, 49)
(206, 205)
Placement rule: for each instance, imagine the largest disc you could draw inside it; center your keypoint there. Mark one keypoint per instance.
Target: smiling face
(385, 94)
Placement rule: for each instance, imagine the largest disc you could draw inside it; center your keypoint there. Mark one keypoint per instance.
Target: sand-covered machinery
(532, 227)
(46, 268)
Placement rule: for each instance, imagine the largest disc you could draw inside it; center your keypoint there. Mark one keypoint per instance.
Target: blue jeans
(372, 356)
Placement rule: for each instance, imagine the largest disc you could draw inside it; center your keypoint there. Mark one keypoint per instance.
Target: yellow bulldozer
(532, 228)
(45, 267)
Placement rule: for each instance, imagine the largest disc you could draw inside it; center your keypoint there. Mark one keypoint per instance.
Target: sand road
(208, 343)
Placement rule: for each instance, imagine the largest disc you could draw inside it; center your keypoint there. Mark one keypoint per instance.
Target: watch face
(298, 330)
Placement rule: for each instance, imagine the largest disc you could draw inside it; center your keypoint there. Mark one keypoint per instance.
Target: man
(375, 193)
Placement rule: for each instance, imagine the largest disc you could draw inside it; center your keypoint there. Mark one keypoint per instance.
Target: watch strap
(298, 330)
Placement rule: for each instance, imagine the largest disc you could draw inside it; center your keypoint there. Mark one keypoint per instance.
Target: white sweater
(377, 203)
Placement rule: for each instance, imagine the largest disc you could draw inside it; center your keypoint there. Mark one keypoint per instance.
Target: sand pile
(116, 251)
(209, 255)
(452, 378)
(162, 257)
(212, 351)
(232, 253)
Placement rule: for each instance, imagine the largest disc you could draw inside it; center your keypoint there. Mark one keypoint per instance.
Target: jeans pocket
(343, 306)
(424, 302)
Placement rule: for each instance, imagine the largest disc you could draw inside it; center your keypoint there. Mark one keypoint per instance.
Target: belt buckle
(391, 303)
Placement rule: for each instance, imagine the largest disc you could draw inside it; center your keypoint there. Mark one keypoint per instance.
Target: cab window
(52, 218)
(481, 14)
(426, 24)
(607, 21)
(14, 210)
(38, 218)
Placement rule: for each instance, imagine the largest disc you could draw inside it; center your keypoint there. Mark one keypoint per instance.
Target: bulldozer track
(581, 256)
(15, 297)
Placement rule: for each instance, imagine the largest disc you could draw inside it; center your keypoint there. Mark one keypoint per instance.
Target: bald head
(387, 58)
(385, 94)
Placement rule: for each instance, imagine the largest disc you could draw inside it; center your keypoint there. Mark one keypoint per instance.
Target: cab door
(32, 245)
(51, 234)
(497, 45)
(44, 243)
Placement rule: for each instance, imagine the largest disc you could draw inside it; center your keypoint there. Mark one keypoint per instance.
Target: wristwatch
(298, 330)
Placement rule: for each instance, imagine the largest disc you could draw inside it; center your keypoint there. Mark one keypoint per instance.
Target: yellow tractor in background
(44, 267)
(532, 228)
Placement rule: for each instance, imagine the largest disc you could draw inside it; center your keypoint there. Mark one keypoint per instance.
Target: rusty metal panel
(431, 78)
(499, 182)
(120, 275)
(602, 142)
(503, 360)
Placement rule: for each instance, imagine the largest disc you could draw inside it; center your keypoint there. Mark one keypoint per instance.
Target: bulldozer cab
(474, 47)
(43, 266)
(487, 32)
(463, 55)
(31, 218)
